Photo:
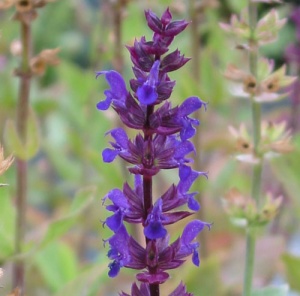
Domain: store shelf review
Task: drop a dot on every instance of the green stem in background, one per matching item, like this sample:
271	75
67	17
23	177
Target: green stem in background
195	55
257	169
118	46
21	120
249	264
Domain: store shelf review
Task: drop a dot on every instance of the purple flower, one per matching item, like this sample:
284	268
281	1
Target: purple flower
189	106
173	61
167	153
117	91
121	145
154	228
180	291
125	252
119	251
144	290
127	205
147	93
120	207
167	120
165	26
187	246
185	185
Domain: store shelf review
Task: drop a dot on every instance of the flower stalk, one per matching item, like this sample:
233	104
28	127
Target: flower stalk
21	122
257	168
25	13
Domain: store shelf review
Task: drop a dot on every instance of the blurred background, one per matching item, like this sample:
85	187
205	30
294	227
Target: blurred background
64	250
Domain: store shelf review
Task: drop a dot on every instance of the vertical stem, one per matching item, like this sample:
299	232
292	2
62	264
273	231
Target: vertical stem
249	264
195	40
21	192
257	169
118	56
154	290
195	50
147	187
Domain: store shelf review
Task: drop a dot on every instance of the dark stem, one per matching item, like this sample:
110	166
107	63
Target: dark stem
154	290
147	186
21	191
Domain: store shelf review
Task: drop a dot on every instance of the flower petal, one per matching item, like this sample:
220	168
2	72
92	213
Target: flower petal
192	229
109	155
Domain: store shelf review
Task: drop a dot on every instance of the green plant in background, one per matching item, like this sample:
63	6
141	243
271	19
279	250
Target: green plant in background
23	136
260	83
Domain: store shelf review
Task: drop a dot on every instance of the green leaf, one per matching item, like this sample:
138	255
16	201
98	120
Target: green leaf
80	84
58	265
57	228
23	149
207	277
83	198
272	291
237	5
292	265
286	170
7	225
95	275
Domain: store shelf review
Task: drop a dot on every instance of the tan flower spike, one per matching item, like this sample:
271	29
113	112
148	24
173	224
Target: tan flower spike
264	88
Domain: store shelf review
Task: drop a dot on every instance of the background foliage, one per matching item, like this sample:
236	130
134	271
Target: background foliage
64	249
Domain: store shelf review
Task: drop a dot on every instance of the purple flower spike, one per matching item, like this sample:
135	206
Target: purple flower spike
160	142
147	93
117	91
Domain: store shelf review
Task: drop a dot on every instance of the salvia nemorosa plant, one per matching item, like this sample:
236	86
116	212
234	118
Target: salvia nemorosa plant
162	141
